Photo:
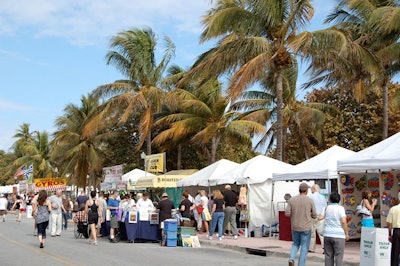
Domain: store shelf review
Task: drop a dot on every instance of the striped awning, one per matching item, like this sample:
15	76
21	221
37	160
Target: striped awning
51	188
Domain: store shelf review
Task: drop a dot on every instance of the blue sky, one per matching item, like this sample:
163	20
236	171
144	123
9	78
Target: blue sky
52	52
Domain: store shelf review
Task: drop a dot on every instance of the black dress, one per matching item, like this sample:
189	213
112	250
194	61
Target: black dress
93	214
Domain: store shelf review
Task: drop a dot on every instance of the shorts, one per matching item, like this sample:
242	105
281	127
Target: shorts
2	212
93	219
114	221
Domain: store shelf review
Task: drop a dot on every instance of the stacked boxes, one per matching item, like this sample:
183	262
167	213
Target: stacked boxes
171	232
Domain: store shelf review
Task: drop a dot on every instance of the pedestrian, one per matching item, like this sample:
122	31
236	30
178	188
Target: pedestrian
393	223
102	228
82	198
196	214
113	205
336	231
80	218
18	204
3	207
231	201
165	206
41	209
367	219
185	206
205	215
65	211
218	214
301	210
56	213
320	205
94	214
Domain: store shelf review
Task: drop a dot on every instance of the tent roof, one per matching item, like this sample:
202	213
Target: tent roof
256	170
382	156
203	177
135	174
321	166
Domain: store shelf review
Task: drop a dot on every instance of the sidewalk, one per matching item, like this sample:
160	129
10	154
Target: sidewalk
271	246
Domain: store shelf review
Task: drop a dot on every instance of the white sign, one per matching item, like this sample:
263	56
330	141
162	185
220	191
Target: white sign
374	247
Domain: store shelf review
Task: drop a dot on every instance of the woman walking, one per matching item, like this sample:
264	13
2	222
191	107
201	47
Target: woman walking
336	231
41	212
217	213
18	204
94	213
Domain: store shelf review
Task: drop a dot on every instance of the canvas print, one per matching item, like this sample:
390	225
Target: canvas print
195	241
132	217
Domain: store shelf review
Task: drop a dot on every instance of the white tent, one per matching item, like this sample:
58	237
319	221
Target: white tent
256	170
204	176
321	166
257	174
382	156
133	175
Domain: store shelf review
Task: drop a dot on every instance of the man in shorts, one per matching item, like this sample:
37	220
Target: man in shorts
3	206
113	205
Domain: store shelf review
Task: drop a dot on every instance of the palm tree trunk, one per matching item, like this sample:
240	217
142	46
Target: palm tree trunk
214	146
279	116
179	159
148	142
385	111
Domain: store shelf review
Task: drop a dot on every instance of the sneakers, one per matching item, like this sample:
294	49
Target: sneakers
235	237
291	262
113	240
209	237
220	238
41	245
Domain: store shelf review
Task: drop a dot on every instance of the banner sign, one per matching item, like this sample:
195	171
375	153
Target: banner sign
50	184
155	163
112	174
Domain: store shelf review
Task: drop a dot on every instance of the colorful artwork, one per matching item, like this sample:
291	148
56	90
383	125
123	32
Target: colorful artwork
388	200
347	180
375	193
352	233
350	212
362	183
348	190
349	200
352	225
388	179
373	182
348	219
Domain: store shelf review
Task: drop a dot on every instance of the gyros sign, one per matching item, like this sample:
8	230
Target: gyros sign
48	182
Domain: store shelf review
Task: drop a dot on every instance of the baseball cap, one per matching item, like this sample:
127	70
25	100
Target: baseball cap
164	195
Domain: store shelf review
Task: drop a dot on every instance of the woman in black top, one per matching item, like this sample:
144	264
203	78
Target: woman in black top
185	206
93	211
217	213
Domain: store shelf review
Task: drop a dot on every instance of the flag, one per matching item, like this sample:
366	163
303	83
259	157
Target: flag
21	171
29	171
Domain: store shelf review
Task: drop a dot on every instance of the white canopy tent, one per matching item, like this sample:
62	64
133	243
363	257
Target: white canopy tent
257	174
321	166
380	157
134	175
204	176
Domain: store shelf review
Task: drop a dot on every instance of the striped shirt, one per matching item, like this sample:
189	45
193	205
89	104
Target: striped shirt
333	225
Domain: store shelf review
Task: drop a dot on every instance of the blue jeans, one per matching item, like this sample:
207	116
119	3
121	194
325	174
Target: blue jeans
217	217
300	240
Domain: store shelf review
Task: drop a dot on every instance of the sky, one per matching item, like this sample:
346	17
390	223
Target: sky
53	52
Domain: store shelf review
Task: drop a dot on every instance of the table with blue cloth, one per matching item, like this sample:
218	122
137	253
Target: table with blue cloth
142	230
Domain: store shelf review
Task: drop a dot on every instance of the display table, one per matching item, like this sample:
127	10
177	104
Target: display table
142	230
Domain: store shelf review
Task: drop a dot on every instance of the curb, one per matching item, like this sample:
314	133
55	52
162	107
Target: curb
266	252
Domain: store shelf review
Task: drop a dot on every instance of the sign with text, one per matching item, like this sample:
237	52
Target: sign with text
155	163
112	174
50	183
374	247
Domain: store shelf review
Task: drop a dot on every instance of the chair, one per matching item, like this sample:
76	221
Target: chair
81	230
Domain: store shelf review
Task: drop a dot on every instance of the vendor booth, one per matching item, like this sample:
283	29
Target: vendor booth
132	176
376	168
320	167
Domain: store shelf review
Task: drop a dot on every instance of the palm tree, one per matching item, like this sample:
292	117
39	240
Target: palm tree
77	154
133	53
354	52
201	115
254	41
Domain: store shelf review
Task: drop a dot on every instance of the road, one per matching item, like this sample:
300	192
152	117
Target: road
18	246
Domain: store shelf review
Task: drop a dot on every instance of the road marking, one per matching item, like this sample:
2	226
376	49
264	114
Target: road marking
61	259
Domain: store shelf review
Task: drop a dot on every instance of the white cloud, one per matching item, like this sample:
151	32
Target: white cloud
85	22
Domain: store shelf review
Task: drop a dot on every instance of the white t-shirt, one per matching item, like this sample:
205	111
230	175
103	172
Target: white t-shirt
333	225
145	204
204	199
3	204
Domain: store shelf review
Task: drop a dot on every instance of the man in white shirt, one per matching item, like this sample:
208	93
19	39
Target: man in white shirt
320	205
145	203
56	213
3	206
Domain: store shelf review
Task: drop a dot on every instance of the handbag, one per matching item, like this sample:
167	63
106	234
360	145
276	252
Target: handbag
207	215
362	210
199	209
321	227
